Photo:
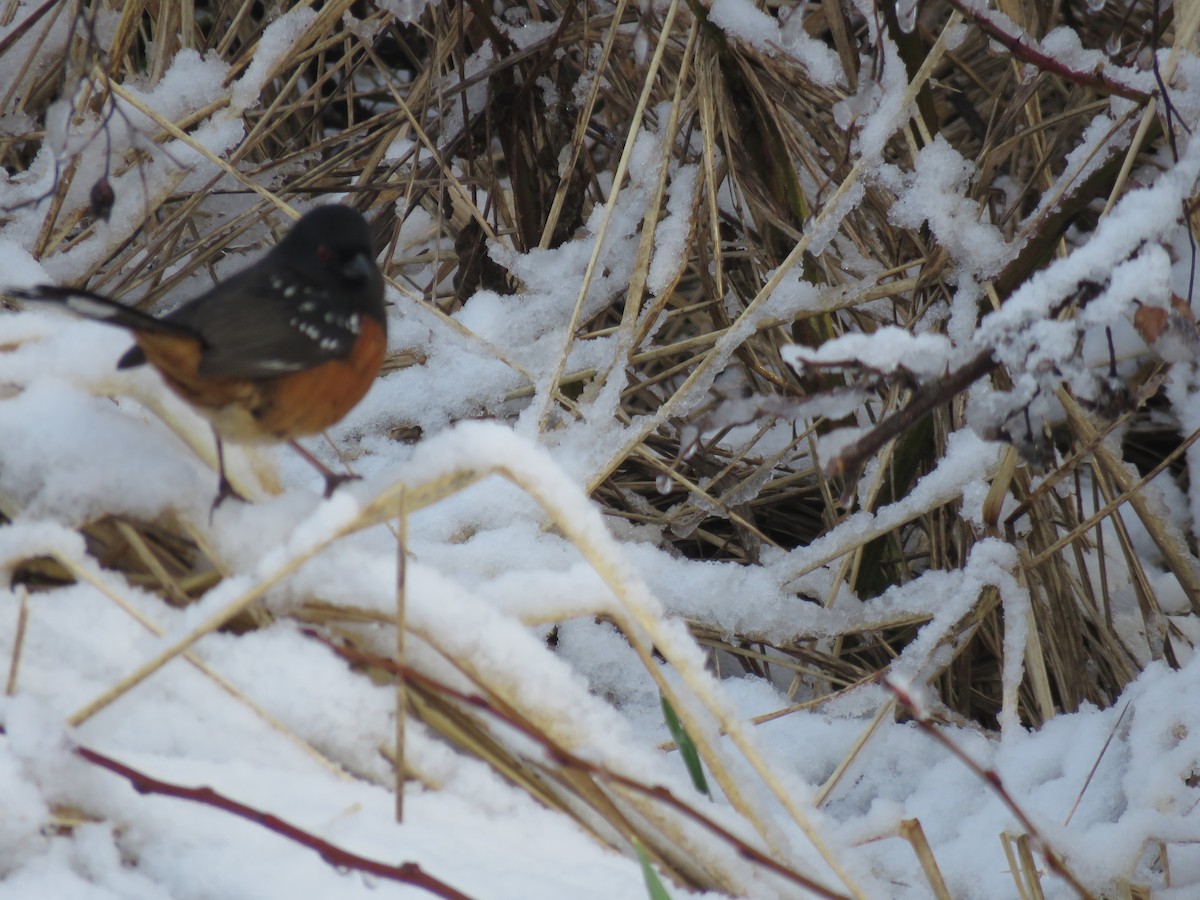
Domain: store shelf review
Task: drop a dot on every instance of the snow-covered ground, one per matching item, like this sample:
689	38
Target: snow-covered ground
274	719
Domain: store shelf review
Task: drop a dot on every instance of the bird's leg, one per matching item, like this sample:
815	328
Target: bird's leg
225	488
332	479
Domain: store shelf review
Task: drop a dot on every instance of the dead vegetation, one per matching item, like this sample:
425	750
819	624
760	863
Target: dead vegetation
489	155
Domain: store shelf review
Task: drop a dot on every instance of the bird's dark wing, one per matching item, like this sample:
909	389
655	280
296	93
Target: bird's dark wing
261	323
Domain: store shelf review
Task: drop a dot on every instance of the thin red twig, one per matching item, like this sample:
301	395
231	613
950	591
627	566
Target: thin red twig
407	873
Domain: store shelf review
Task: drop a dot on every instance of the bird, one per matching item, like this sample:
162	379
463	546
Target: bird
281	349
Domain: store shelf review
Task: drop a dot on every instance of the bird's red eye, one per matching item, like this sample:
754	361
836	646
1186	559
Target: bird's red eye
324	253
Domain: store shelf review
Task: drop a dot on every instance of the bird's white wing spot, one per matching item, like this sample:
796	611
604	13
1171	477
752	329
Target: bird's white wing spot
348	323
279	365
85	306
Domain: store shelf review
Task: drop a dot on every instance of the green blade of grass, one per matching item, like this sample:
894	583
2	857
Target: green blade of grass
687	749
654	885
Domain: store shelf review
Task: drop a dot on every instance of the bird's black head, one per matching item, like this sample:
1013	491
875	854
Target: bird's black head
332	242
329	252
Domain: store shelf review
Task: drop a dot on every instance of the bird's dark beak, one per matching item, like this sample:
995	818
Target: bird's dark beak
358	267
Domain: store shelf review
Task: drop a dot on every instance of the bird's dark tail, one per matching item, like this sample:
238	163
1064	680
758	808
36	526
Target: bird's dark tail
95	306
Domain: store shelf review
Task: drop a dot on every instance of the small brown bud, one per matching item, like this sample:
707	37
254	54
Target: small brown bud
102	198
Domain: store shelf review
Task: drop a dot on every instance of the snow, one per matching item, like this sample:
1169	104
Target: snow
743	20
673	229
887	350
278	721
936	194
277	40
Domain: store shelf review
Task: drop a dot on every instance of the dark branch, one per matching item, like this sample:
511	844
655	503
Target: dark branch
408	873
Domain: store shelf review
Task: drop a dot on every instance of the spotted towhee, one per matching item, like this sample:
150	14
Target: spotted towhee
282	349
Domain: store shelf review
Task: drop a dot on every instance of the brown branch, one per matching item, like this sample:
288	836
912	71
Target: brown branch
567	759
992	780
25	25
1028	50
408	873
925	400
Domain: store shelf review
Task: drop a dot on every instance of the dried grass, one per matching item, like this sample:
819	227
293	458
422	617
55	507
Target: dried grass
766	135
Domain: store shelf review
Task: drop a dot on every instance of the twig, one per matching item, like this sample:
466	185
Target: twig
1096	765
568	759
406	873
1024	48
401	655
991	779
14	664
924	401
